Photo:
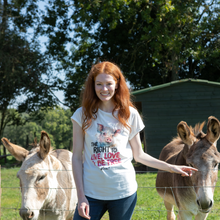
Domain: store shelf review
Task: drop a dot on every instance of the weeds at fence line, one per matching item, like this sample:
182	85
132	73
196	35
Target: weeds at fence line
149	205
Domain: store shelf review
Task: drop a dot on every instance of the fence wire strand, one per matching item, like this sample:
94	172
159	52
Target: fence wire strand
160	209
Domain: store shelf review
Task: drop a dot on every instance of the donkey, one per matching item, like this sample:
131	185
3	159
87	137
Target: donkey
46	181
193	195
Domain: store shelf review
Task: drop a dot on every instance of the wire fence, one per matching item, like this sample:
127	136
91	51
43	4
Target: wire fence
149	204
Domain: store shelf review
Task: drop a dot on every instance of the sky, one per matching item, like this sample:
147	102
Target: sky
43	40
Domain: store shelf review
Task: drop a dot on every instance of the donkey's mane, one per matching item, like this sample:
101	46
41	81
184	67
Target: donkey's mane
37	149
34	150
197	131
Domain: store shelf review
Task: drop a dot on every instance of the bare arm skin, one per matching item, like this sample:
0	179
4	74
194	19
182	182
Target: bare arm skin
150	161
83	205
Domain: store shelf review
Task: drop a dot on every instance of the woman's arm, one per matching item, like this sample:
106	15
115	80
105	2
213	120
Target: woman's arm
150	161
83	205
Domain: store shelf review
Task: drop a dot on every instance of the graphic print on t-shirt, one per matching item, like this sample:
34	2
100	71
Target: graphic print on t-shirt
105	152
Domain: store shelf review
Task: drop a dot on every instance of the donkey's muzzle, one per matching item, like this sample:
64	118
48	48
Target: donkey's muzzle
206	206
26	214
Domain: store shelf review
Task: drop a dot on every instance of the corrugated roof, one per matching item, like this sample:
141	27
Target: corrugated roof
173	83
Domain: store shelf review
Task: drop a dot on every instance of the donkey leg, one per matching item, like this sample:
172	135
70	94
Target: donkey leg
170	211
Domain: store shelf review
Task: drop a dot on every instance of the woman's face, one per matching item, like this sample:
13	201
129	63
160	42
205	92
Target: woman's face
105	86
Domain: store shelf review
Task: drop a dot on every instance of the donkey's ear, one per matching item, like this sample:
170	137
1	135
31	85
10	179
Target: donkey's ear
185	133
45	146
18	152
213	129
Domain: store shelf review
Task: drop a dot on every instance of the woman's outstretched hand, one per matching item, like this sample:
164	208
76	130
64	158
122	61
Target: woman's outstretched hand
183	170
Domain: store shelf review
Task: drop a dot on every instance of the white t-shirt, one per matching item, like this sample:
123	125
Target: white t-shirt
108	173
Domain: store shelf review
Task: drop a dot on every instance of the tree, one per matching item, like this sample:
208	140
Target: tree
153	42
57	122
24	135
24	70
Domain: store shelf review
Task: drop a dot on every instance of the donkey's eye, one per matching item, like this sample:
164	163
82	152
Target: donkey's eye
215	165
41	178
190	165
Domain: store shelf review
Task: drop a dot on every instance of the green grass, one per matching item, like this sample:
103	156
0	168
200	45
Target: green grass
10	196
149	205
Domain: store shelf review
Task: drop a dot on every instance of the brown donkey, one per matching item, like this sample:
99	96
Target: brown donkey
192	195
46	181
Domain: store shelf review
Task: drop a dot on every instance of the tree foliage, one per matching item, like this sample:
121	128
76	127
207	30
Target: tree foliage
56	123
25	71
153	41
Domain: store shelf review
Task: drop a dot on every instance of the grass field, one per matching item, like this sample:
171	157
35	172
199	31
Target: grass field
149	205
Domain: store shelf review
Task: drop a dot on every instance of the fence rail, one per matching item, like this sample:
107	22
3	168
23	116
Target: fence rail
3	156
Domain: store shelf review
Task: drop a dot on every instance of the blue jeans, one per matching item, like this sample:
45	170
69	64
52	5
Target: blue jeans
119	209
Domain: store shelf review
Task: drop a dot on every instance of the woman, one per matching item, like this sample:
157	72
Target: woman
105	140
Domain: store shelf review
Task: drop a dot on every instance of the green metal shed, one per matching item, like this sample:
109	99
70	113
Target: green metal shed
164	106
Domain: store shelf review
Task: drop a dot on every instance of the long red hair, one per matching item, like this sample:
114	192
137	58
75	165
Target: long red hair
121	98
